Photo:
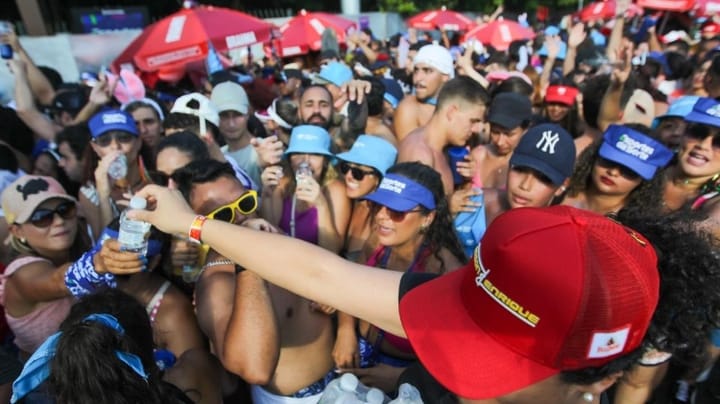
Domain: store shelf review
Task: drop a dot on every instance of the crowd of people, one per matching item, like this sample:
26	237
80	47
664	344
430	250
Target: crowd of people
532	225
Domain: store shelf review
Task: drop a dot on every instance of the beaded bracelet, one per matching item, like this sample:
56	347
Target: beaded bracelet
195	231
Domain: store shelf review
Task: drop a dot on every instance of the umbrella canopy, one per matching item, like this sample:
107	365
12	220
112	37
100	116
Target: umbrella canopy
499	33
667	5
185	36
442	19
303	33
707	8
602	10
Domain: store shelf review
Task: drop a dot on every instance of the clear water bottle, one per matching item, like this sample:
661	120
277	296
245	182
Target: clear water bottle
341	390
134	234
303	172
375	396
118	168
407	394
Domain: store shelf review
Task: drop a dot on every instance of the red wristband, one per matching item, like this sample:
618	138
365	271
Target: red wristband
196	228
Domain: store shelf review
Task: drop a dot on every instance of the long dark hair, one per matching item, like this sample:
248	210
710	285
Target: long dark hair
85	368
441	232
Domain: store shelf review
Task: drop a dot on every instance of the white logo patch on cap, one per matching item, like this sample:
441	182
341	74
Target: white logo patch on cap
714	111
606	344
392	185
547	142
634	148
108	119
307	136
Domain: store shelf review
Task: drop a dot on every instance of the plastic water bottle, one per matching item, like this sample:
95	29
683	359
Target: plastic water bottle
134	234
303	172
470	226
6	51
407	394
375	396
342	390
118	168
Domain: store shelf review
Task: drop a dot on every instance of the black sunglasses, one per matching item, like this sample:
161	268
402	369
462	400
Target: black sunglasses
701	132
624	171
357	173
159	178
121	137
43	217
394	215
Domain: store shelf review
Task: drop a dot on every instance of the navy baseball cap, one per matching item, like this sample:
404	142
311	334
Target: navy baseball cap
548	149
510	110
634	150
112	119
401	193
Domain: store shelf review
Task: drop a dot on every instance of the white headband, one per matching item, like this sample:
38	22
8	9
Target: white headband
149	102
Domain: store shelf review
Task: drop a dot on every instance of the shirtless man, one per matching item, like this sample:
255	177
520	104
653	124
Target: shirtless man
509	117
432	67
291	343
460	113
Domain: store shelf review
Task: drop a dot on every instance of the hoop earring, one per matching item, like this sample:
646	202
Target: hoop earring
588	397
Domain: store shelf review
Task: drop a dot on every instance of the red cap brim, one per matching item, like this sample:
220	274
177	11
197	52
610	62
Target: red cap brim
455	350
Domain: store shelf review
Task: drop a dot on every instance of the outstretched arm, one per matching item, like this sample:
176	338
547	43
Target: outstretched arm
317	274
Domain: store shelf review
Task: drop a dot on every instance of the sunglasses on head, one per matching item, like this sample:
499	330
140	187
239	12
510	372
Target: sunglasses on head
624	171
394	215
357	173
106	139
44	217
245	204
701	132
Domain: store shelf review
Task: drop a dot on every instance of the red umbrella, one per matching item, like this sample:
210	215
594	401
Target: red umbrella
499	33
440	19
602	10
303	32
667	5
183	37
707	8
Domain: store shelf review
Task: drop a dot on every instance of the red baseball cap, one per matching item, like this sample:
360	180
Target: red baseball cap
548	290
561	95
710	29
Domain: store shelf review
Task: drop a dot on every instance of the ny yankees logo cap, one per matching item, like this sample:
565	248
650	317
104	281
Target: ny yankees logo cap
548	149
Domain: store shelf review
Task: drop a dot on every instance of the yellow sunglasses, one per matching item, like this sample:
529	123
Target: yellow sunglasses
245	204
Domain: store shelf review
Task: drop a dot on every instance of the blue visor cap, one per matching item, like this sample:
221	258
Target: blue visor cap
309	139
634	150
402	194
706	111
111	119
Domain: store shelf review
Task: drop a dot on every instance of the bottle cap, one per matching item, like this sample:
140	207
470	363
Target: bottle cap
137	202
348	382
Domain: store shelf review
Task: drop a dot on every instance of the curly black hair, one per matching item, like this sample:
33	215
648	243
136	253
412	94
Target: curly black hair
441	233
689	266
645	197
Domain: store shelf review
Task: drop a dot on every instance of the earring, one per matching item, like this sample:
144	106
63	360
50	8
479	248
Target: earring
588	397
23	240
